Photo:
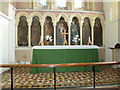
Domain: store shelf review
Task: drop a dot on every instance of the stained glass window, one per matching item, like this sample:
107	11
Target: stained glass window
42	3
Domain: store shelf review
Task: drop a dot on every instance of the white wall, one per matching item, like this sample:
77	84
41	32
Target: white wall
4	25
0	39
4	22
111	29
11	31
7	37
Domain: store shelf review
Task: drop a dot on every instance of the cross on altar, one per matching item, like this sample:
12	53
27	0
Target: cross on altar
64	35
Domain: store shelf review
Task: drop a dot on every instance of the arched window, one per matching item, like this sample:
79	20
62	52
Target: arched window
61	4
78	3
42	3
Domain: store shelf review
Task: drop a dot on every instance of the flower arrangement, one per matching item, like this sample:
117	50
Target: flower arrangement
48	38
76	39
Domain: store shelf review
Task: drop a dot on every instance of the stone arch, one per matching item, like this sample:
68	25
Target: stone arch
101	17
75	15
89	16
50	15
62	15
18	15
35	14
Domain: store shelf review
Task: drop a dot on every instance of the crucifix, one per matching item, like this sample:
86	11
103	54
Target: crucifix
64	36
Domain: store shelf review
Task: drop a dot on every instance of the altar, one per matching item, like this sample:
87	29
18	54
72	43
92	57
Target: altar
62	55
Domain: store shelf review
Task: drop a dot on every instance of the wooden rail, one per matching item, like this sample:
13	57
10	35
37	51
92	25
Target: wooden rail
54	66
60	65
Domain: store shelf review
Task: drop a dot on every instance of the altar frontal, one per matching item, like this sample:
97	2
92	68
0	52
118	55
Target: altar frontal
64	55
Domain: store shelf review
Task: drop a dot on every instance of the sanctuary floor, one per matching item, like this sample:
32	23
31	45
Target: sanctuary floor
23	78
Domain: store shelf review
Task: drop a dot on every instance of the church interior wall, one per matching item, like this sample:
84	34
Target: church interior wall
23	55
111	27
12	33
4	7
7	33
4	39
98	6
22	5
55	15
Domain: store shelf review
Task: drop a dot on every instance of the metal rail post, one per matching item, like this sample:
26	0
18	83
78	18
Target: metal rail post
11	78
94	76
54	78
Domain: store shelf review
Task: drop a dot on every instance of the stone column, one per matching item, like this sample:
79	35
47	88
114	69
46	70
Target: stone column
70	4
81	24
42	33
87	6
51	4
69	33
30	4
92	31
29	34
54	24
16	41
103	33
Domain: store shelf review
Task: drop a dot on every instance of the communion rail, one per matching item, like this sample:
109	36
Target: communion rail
54	66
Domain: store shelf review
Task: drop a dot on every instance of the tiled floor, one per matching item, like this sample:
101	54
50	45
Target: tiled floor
64	89
23	78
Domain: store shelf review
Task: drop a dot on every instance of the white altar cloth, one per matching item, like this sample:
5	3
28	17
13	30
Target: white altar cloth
67	47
